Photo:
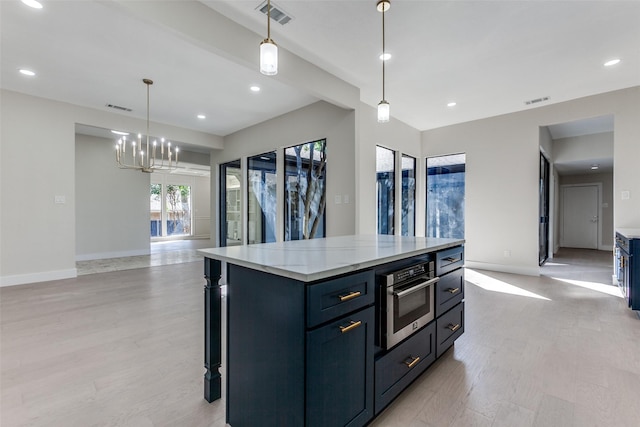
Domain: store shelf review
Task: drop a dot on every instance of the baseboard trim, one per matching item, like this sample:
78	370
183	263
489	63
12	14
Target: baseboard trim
606	248
45	276
514	269
107	255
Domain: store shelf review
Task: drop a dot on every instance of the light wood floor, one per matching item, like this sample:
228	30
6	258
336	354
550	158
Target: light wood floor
125	349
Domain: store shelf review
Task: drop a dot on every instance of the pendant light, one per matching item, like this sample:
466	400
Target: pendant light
268	50
383	106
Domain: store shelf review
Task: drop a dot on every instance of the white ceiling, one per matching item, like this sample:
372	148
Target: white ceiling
488	56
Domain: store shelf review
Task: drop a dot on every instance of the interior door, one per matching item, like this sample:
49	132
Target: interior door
543	206
580	216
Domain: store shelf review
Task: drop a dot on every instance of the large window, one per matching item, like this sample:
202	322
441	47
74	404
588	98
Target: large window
385	180
173	217
305	191
178	198
261	224
445	196
231	204
408	196
156	210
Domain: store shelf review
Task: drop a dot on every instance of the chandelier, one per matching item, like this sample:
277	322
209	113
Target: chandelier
268	50
383	106
146	161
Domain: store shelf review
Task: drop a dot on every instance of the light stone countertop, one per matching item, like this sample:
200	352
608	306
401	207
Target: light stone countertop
315	259
629	233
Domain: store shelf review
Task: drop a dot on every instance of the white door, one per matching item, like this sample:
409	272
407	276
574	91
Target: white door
580	217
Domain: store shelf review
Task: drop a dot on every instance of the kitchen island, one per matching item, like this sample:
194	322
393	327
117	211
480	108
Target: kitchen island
304	326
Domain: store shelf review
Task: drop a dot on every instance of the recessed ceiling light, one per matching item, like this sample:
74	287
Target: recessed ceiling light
27	72
385	56
595	167
612	62
451	104
202	116
255	88
119	132
32	3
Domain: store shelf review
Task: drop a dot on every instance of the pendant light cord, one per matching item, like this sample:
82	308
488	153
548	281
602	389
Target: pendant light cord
269	20
383	52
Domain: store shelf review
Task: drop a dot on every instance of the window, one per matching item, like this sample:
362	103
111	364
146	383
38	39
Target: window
173	217
305	191
408	196
156	210
445	196
385	188
230	204
178	198
261	186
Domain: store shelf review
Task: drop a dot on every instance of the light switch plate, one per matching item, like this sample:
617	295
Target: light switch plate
60	200
338	199
625	195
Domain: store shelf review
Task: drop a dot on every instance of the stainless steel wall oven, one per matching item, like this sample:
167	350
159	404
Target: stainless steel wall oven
407	302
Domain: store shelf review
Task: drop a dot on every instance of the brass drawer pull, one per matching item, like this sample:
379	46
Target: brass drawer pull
350	295
413	362
351	326
453	290
454	327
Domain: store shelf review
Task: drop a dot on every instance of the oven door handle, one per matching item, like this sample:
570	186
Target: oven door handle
415	288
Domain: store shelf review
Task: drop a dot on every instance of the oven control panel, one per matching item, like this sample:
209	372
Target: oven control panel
410	272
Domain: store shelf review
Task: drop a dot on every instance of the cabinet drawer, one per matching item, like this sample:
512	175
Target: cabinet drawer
449	291
334	298
449	260
449	327
398	368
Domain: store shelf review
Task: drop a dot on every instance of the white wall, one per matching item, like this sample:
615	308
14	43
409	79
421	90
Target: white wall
37	145
584	147
502	174
112	204
317	121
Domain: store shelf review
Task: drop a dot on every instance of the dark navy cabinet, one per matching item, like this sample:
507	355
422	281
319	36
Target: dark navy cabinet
299	354
628	266
340	371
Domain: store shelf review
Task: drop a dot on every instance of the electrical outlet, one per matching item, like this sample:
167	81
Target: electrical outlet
338	199
507	253
59	200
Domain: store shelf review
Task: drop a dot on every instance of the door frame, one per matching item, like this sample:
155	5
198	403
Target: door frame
561	222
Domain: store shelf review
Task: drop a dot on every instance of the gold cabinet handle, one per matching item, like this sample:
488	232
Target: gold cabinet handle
352	325
454	327
350	295
453	290
413	362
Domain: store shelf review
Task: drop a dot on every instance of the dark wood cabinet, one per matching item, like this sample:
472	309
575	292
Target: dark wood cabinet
299	361
396	369
628	267
340	371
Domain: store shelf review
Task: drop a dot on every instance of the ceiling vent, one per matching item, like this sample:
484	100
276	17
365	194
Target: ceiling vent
536	101
118	107
277	14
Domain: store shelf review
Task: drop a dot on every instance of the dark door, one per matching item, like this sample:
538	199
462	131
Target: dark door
340	371
543	229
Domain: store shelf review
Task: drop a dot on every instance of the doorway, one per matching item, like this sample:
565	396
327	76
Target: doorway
581	216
